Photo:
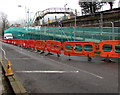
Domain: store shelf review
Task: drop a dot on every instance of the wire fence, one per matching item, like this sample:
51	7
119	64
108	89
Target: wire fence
83	33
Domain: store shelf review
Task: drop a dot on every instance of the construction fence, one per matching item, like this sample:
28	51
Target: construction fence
63	34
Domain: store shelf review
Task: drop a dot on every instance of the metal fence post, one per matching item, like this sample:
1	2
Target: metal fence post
113	31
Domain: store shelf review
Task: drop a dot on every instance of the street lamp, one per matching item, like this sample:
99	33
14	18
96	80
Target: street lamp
30	20
25	14
65	10
75	25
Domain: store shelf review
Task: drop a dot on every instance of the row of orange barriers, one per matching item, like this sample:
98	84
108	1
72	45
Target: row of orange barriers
71	48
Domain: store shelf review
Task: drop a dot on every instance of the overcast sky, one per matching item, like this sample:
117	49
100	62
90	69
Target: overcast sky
10	7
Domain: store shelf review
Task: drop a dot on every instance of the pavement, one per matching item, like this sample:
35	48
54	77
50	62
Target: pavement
1	85
51	74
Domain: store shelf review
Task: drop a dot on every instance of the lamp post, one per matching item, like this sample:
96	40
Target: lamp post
25	14
65	10
30	18
75	25
28	21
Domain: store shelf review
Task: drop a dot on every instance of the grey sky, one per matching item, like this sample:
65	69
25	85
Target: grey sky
10	7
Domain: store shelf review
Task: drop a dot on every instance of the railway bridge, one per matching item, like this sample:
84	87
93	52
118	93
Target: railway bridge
40	14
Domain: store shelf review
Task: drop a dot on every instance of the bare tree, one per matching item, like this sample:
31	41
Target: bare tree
90	7
93	6
4	22
111	4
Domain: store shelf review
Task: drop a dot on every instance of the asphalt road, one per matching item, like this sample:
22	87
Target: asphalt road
51	74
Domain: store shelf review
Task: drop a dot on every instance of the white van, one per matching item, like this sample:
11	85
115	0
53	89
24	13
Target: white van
8	36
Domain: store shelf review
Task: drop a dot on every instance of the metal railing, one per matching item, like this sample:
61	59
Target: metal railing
41	14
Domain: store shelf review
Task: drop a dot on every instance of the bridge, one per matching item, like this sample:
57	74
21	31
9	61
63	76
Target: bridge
40	14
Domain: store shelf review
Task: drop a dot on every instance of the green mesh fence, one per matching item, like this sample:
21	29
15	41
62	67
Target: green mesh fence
65	33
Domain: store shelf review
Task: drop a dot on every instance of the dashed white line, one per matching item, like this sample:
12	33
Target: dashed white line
80	70
47	71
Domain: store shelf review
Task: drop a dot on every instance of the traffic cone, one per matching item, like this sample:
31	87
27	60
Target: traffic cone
9	70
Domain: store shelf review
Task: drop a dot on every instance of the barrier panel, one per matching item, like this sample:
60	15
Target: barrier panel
9	41
40	45
25	44
5	40
110	48
20	42
31	44
15	41
79	48
97	48
54	46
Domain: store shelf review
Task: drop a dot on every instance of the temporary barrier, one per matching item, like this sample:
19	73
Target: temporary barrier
25	44
20	42
97	48
15	42
110	48
54	46
79	48
5	40
9	41
40	45
31	44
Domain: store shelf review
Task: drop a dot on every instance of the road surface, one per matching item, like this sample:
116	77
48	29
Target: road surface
51	74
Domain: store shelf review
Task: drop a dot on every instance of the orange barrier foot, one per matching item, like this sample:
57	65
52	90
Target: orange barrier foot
58	55
89	58
38	50
69	57
42	52
48	54
107	59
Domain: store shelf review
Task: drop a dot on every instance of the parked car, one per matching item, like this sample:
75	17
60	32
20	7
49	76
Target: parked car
8	36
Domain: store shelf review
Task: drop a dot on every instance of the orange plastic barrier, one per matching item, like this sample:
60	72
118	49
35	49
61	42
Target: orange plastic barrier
54	46
97	48
9	41
5	40
20	42
15	42
31	44
111	44
25	43
79	48
40	45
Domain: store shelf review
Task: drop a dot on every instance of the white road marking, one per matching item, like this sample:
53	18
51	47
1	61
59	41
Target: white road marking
91	74
4	54
47	71
3	51
20	58
80	70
